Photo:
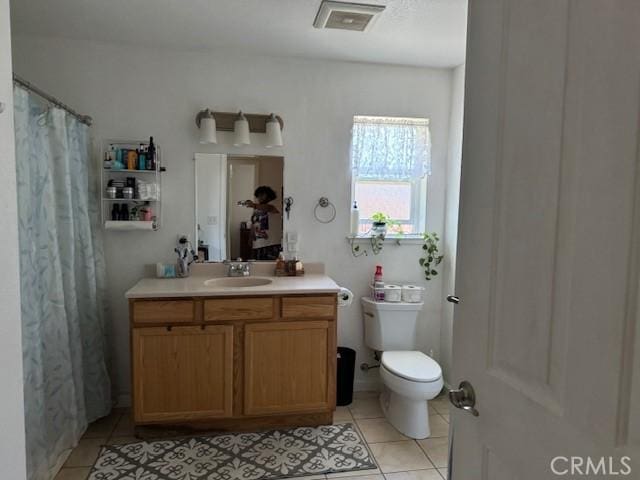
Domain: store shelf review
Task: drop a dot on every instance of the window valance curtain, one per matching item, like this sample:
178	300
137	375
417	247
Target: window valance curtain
390	148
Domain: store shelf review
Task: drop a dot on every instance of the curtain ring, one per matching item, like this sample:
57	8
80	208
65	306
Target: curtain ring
324	203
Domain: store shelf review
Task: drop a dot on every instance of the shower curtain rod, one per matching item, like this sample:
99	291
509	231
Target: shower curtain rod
86	119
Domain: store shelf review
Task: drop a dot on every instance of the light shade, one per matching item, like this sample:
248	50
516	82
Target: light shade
241	131
208	131
274	132
207	124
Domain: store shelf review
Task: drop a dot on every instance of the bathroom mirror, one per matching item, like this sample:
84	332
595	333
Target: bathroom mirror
238	206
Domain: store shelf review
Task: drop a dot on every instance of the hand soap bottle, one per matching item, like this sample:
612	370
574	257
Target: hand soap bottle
355	219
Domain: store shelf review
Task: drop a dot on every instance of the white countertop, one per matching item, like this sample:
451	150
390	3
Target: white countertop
314	281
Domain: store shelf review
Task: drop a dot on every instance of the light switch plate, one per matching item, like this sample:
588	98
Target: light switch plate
293	237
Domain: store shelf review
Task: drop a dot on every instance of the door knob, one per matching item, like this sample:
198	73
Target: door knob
453	299
464	398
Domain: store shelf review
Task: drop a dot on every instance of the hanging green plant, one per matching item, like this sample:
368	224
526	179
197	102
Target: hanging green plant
377	242
430	255
381	223
356	251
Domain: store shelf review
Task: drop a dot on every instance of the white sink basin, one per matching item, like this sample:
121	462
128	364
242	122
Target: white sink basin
238	282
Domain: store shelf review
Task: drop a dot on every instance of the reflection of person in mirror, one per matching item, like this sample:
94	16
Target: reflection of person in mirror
265	247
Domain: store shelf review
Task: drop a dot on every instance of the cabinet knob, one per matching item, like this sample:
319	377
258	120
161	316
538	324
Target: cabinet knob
169	328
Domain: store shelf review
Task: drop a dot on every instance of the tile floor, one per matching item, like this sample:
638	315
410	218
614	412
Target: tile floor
399	457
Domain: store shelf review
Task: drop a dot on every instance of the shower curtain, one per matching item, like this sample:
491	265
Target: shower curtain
62	282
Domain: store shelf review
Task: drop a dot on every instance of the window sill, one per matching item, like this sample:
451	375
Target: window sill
389	239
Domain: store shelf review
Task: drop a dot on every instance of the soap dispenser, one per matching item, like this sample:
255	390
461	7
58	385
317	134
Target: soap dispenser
355	219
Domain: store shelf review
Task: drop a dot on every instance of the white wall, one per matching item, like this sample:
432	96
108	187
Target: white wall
12	443
452	197
134	93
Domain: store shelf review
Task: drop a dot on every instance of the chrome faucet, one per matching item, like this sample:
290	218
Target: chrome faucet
238	268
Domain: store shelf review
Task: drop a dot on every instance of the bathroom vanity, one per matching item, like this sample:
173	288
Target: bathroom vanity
206	355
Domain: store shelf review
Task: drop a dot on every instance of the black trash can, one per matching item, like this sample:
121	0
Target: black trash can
346	369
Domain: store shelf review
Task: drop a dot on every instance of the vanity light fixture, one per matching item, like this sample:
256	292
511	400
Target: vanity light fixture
241	125
241	131
206	122
274	132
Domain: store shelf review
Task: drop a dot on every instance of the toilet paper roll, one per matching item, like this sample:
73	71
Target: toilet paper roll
345	297
412	293
392	293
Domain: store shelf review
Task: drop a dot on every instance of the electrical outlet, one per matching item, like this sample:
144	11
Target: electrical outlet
293	237
212	220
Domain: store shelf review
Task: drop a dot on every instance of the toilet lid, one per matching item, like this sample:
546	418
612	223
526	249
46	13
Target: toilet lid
414	366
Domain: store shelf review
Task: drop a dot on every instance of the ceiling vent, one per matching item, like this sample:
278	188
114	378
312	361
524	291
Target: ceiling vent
346	16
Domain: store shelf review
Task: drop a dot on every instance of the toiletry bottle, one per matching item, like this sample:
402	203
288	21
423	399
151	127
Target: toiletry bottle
107	161
280	265
115	212
124	212
355	219
377	277
132	159
119	164
142	157
378	285
151	155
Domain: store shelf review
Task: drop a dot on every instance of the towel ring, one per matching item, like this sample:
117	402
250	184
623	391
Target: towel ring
324	203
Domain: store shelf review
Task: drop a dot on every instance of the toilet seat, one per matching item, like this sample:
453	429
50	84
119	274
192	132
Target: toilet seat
412	365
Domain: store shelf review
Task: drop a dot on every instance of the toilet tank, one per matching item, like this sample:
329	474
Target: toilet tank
390	326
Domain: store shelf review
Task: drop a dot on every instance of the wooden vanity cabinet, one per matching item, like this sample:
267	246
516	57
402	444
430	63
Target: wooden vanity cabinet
234	363
183	372
287	368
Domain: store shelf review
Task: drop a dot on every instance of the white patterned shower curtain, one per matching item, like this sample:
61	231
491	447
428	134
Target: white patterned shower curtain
62	273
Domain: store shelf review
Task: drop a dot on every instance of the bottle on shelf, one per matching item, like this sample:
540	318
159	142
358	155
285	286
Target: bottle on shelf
132	160
142	157
151	155
378	285
124	212
377	277
107	161
115	212
119	161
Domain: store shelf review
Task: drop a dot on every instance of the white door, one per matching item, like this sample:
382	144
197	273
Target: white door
547	328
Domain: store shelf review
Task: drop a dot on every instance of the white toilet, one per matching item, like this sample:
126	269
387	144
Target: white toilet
410	377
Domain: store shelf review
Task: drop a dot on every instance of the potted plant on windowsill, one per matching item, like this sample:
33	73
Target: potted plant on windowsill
382	223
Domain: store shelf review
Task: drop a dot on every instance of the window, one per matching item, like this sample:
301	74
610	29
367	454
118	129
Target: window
391	158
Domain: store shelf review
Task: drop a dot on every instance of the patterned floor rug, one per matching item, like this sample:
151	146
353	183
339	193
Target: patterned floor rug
238	456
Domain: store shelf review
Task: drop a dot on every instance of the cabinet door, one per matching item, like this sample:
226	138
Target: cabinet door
289	367
182	373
